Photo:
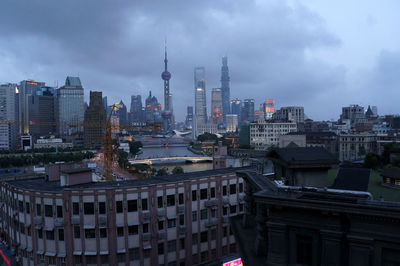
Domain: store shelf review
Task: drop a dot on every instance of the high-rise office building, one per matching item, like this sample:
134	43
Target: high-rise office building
95	119
290	113
70	107
8	112
153	109
247	113
122	114
236	106
231	122
167	114
189	117
106	107
41	112
200	95
26	88
136	110
268	108
225	87
216	106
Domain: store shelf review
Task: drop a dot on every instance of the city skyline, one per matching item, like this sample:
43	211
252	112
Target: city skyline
296	53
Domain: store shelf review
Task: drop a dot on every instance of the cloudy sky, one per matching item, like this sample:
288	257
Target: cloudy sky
319	54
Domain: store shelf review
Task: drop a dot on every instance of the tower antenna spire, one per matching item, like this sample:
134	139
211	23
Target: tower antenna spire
165	59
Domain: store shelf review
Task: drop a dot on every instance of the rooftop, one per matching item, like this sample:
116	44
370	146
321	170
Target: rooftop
73	82
39	184
303	154
76	170
352	179
393	172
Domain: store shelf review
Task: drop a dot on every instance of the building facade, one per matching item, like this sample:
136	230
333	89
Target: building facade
354	113
189	117
179	220
236	107
200	103
265	134
290	113
354	147
9	113
247	112
70	107
231	123
95	120
136	110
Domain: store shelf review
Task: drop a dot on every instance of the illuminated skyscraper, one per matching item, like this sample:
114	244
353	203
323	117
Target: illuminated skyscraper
236	106
247	113
200	95
268	109
189	117
225	86
216	106
26	88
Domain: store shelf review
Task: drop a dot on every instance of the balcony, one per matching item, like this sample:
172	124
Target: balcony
75	220
146	216
211	222
161	235
38	220
211	203
161	212
181	209
182	230
102	220
225	201
58	222
146	237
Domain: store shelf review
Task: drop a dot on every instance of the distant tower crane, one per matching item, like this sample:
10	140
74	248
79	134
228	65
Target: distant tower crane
108	145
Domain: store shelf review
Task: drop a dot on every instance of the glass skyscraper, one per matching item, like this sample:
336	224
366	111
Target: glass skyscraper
200	95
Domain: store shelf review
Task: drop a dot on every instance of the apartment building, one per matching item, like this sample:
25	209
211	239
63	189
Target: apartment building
265	134
171	220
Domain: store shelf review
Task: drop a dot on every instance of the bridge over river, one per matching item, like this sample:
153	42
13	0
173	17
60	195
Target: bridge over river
171	160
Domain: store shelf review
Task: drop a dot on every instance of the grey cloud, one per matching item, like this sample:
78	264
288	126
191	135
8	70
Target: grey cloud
117	47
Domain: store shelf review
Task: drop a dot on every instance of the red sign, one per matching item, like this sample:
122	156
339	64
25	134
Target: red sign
235	262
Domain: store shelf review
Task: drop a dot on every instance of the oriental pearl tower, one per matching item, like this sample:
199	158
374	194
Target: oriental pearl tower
167	114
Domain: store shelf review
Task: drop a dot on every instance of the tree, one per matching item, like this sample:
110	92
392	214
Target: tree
162	171
207	136
177	170
372	161
134	147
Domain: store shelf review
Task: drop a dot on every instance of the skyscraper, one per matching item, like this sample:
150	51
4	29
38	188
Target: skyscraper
268	108
41	112
189	117
247	113
216	106
167	114
122	114
26	88
200	95
225	87
236	106
153	109
8	112
95	119
70	109
231	122
136	110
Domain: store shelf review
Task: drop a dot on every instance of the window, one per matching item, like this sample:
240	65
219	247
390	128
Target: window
181	219
171	223
29	231
160	202
171	200
75	208
119	208
88	208
180	198
213	213
48	210
50	235
120	231
232	189
212	192
38	209
134	254
232	248
40	233
241	207
132	205
27	208
60	234
194	195
133	229
240	187
90	233
77	232
204	255
120	258
203	214
214	254
225	231
194	216
195	239
160	225
144	204
225	211
182	243
102	208
213	234
304	250
146	253
21	206
145	228
59	211
203	237
160	248
203	194
195	259
232	209
172	246
224	191
103	232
